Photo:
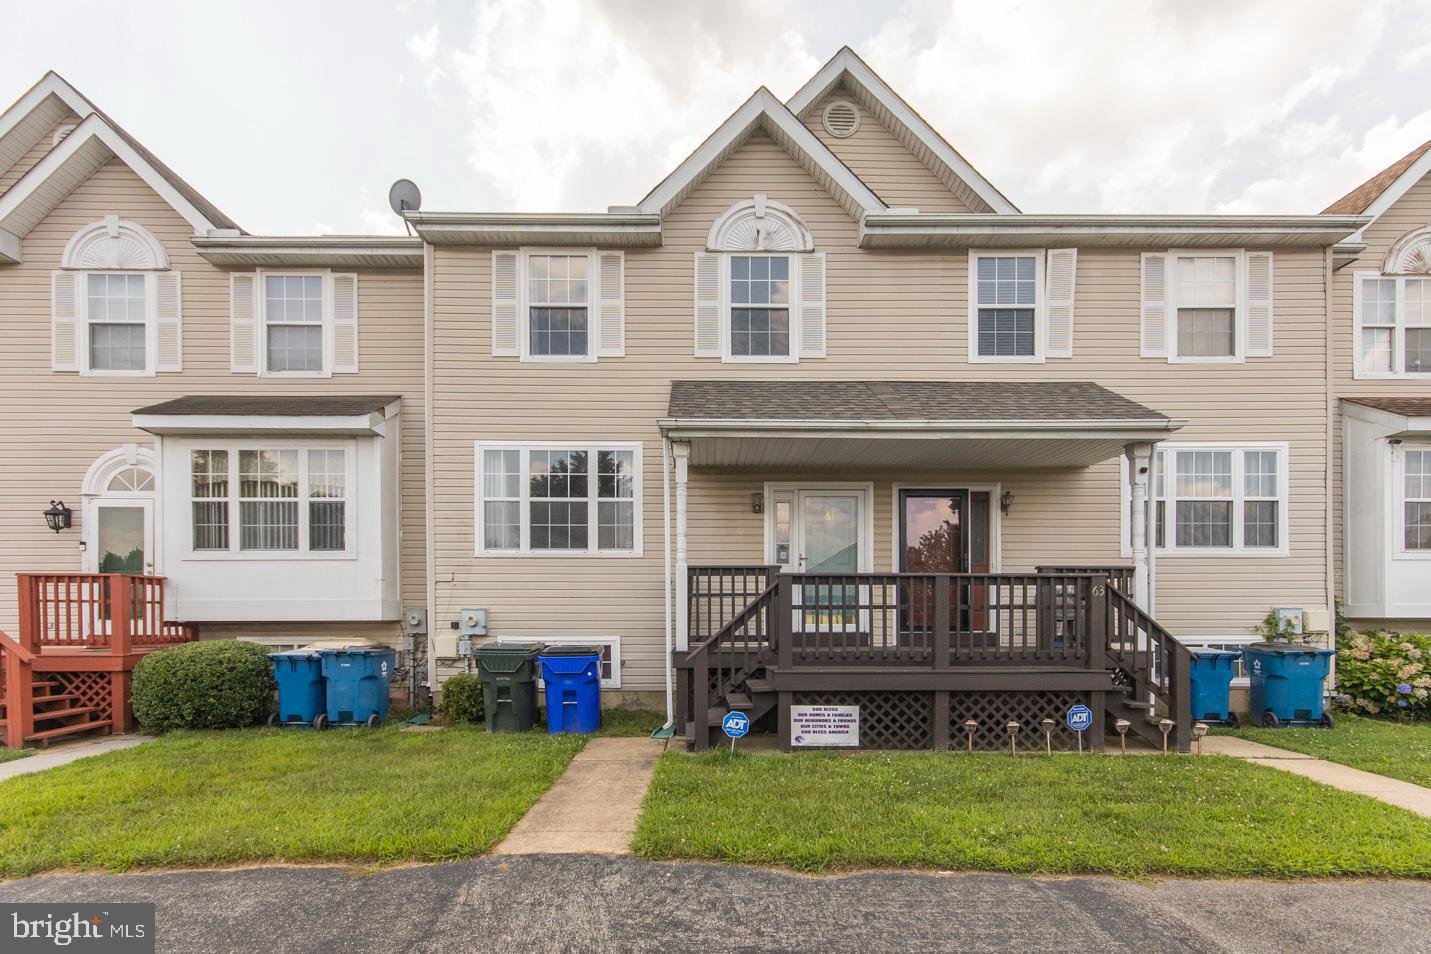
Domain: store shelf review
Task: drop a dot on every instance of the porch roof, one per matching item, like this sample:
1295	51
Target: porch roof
893	424
254	414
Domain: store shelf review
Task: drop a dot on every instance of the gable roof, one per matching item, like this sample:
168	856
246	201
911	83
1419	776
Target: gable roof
1381	191
764	111
95	141
906	124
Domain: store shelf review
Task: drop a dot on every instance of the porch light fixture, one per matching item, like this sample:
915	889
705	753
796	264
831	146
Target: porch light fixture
57	518
757	502
1006	501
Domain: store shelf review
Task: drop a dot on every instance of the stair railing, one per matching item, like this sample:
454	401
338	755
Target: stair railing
721	662
1154	659
19	689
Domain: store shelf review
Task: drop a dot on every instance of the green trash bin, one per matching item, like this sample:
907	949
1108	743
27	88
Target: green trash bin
508	672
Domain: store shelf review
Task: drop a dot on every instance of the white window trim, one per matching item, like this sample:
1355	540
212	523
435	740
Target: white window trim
524	313
260	307
151	323
613	643
1397	523
1398	329
786	489
1239	309
996	515
1238	549
1040	307
794	309
350	498
524	449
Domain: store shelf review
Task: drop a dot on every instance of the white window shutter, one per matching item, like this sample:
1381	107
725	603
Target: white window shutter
708	343
64	321
812	305
345	323
1155	305
1060	278
168	323
505	288
243	326
1259	304
611	305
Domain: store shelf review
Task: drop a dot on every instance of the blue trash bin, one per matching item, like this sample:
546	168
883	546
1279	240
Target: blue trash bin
302	695
1211	675
358	685
573	688
1287	684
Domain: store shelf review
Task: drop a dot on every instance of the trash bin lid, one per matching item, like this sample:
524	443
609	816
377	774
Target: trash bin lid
509	649
1214	653
294	654
570	649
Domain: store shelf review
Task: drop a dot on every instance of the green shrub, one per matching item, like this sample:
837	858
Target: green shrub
219	684
1384	674
462	699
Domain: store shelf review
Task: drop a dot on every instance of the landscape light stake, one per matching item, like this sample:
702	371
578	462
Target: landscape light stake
1167	726
1013	737
1048	734
969	726
1199	730
1122	726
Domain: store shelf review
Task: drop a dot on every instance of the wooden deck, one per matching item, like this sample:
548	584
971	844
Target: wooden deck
68	670
923	646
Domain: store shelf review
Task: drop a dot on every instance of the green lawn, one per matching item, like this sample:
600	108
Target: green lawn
7	755
1131	816
1386	748
628	722
219	798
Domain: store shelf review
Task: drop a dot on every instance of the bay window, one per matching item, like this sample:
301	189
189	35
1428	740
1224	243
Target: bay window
1392	316
270	499
558	498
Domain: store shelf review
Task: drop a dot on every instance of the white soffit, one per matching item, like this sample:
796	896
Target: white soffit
907	125
260	251
34	114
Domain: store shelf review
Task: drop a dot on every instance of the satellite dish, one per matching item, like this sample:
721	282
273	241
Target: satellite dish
404	196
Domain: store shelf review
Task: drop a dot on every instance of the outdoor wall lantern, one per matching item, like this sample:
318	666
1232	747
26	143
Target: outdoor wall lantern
57	518
757	502
1006	501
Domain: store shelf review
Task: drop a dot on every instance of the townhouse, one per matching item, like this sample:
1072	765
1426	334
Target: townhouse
823	419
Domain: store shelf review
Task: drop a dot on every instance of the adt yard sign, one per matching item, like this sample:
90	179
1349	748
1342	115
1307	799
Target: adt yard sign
1079	718
735	724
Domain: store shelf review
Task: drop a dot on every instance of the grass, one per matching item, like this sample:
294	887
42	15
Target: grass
1392	749
222	798
630	722
8	755
1132	816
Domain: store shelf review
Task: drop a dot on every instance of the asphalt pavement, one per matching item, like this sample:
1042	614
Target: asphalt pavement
596	903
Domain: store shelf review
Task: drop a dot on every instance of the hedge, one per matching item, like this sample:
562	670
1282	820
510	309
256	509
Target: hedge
218	684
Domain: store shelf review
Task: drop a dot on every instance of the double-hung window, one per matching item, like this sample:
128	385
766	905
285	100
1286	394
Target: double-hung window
558	306
270	499
760	306
558	498
1393	325
1416	500
293	323
1220	499
1206	315
1006	322
1207	306
118	316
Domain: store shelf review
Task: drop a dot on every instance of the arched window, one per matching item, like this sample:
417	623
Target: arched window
113	243
759	224
1411	255
125	470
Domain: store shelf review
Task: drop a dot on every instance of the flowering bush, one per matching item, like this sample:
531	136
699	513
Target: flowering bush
1386	674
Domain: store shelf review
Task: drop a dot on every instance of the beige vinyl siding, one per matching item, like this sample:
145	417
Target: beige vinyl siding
884	164
60	422
1412	211
8	177
892	314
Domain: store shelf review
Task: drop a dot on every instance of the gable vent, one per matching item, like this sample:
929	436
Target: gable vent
841	119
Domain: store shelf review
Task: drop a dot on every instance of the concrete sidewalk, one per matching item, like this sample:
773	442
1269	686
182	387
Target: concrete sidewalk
1392	790
592	808
49	758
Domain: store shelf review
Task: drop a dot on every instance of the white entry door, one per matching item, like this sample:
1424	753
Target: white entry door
119	536
827	531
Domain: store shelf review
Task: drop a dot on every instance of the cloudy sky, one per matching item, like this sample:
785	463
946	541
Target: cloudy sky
295	116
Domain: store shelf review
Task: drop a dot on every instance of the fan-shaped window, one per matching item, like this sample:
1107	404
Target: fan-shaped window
759	224
1392	311
113	243
132	480
1411	255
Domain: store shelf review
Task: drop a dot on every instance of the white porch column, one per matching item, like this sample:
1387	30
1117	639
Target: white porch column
681	452
1141	458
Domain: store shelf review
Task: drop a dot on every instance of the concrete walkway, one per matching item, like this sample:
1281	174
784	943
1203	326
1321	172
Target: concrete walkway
1402	794
592	808
49	758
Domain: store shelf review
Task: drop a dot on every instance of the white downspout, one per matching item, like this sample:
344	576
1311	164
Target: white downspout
669	593
428	478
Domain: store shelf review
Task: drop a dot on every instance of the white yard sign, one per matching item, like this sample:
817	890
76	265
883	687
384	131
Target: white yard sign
825	726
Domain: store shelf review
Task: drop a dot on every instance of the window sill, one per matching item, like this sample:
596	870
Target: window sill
558	358
267	556
1006	359
558	554
1391	375
89	373
1234	359
295	374
759	359
1273	552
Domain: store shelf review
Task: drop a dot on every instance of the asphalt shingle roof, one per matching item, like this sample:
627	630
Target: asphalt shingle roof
1406	406
1360	199
272	405
903	401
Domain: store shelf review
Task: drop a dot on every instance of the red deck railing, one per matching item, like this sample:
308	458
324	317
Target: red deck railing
115	611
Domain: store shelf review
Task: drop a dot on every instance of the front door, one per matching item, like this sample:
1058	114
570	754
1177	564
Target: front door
947	531
121	538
